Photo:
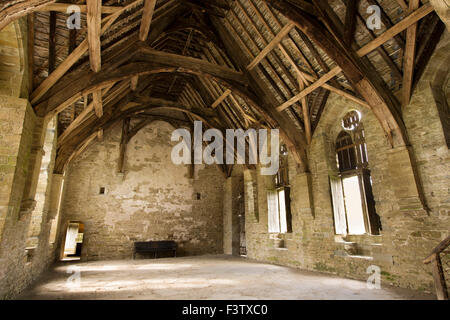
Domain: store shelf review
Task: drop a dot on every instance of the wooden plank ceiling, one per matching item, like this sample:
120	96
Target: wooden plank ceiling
279	61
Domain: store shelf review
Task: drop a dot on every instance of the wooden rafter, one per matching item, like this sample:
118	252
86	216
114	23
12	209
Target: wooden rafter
403	4
147	15
409	59
51	42
319	83
274	58
98	104
221	99
385	19
82	147
381	100
205	7
62	7
350	21
94	22
100	134
381	50
239	54
305	77
59	72
19	9
427	45
88	112
387	35
278	82
272	45
411	19
306	117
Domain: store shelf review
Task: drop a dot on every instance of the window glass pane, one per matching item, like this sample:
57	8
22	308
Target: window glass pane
353	205
338	205
272	206
282	210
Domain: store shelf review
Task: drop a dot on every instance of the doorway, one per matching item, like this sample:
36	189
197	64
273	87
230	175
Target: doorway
73	241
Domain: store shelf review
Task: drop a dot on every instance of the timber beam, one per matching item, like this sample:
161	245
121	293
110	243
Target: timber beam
382	102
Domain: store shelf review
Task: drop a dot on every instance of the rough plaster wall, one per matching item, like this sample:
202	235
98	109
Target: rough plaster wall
408	236
154	200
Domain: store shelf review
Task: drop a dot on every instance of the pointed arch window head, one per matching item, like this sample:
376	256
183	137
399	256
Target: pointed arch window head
351	120
351	149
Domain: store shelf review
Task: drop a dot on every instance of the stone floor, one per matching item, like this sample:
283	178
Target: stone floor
206	277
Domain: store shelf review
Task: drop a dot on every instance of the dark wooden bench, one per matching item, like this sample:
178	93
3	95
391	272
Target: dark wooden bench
155	247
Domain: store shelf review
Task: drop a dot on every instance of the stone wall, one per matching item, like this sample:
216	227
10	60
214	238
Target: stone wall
442	8
409	231
233	189
153	200
13	59
21	139
25	246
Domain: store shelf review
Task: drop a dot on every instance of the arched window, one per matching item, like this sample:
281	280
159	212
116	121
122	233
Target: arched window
282	177
278	199
345	150
353	202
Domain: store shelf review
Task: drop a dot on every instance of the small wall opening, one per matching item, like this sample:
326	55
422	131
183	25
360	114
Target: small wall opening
73	241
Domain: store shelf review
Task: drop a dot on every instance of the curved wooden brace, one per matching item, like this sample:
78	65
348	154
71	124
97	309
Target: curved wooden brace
18	9
77	139
191	113
79	147
383	103
87	82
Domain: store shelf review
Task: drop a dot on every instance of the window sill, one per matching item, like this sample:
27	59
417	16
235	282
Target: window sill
367	239
358	246
360	257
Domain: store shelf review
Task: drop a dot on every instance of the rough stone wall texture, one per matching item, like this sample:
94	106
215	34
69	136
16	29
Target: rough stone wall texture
233	188
13	61
153	200
44	185
442	8
19	132
409	232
